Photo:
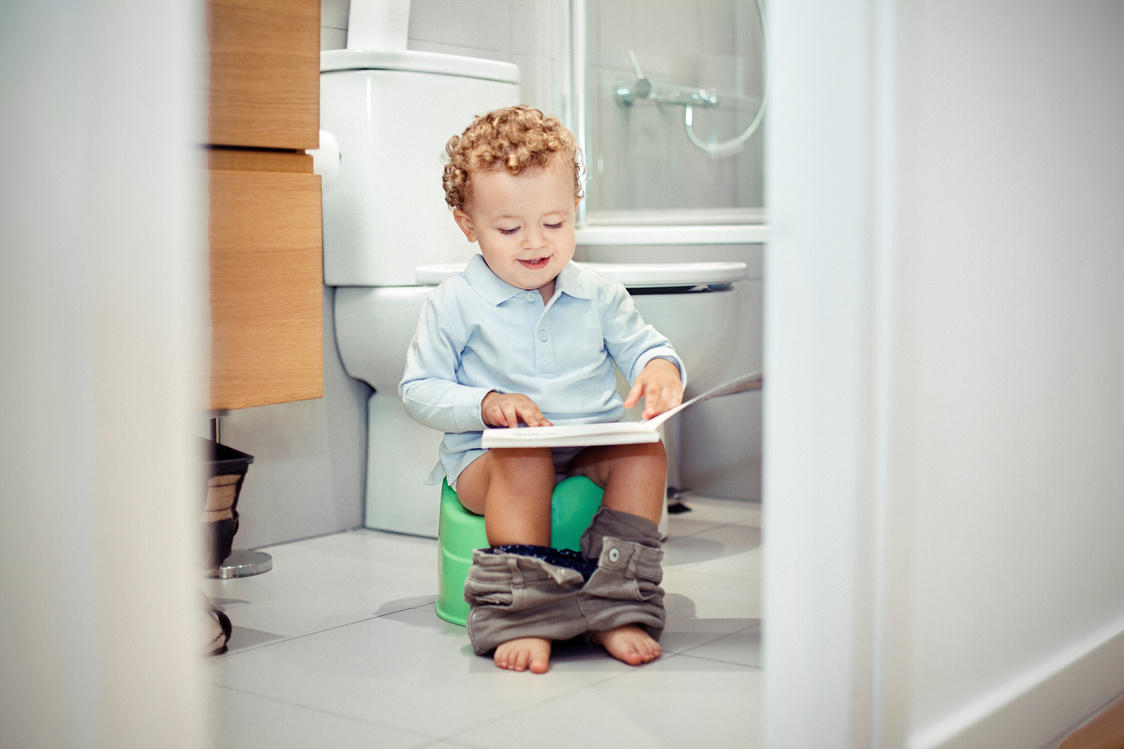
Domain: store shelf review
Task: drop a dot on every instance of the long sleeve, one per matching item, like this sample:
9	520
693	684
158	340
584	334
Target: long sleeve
430	390
632	343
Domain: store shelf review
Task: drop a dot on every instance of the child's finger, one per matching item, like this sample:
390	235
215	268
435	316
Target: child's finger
510	415
503	414
530	413
634	394
534	418
661	400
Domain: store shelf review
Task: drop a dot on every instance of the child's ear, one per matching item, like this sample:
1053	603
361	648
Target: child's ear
465	223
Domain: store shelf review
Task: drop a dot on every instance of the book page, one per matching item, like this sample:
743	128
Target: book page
572	435
610	433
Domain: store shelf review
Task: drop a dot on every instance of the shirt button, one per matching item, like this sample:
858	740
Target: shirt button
530	296
614	555
543	335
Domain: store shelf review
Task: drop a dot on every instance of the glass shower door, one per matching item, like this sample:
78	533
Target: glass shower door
642	68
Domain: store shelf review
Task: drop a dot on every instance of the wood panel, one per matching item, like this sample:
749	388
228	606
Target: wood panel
266	289
265	73
1104	731
237	159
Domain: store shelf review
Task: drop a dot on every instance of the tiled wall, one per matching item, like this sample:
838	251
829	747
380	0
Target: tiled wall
640	156
333	23
533	34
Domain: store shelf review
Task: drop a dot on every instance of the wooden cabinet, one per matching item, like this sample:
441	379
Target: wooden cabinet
265	73
265	222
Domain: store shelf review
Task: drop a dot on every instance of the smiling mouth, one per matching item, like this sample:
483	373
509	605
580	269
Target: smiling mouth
536	263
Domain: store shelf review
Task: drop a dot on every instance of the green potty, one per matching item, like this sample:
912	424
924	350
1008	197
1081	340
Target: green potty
459	533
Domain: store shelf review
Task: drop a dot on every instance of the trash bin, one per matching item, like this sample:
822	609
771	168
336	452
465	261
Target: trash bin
227	470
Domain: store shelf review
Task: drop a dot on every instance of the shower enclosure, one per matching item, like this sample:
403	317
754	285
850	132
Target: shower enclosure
643	70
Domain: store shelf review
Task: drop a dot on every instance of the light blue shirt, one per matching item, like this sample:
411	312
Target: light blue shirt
478	333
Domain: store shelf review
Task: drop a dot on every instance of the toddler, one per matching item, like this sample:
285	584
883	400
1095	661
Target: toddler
524	336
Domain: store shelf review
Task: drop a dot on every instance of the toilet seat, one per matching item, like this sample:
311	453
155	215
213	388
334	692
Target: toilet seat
668	276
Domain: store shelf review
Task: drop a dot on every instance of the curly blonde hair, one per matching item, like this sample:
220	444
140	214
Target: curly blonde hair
512	138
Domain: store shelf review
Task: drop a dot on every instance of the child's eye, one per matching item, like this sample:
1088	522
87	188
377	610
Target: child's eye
554	226
508	231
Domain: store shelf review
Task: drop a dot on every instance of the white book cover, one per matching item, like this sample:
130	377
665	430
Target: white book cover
609	433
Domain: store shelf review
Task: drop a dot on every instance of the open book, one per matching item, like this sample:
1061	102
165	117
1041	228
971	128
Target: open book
610	433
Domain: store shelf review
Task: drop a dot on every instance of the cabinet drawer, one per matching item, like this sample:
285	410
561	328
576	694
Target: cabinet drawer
265	73
266	288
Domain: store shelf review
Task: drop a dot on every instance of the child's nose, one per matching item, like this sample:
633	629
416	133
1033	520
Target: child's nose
533	238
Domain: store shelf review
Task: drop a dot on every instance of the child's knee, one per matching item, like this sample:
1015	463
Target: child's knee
524	465
657	452
649	456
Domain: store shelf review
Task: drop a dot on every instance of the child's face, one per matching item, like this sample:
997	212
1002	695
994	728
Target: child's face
523	223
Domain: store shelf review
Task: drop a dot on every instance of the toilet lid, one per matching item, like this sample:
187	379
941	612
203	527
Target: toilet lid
632	275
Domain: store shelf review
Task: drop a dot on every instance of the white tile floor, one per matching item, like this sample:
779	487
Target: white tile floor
339	646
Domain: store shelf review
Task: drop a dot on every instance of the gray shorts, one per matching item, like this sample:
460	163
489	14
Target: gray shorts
563	458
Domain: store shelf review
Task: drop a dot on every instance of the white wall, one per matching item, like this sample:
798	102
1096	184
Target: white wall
101	328
945	343
1011	317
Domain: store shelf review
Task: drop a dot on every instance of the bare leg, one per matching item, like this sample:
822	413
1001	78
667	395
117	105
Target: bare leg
633	477
512	489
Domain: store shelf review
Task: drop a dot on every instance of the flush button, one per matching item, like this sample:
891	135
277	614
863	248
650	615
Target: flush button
614	554
542	335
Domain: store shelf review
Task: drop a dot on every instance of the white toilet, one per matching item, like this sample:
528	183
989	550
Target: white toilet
388	237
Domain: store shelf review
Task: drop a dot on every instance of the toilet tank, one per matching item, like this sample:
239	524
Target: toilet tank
390	115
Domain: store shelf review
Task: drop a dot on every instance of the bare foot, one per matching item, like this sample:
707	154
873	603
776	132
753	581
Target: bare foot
523	653
629	643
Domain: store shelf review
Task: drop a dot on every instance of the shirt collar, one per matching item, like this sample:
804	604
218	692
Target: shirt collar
486	283
574	280
495	291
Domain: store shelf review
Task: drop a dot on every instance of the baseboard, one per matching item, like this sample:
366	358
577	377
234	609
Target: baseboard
1039	706
1105	730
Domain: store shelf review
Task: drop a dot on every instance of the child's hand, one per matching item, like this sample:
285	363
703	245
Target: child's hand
660	385
507	409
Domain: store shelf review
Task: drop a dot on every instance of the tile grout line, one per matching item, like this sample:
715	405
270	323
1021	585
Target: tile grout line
291	638
320	711
555	698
